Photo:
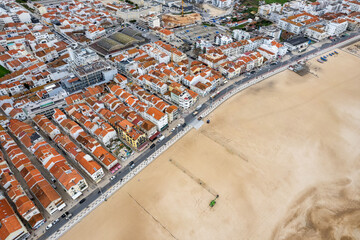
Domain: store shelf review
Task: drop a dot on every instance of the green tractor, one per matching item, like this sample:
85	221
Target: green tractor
213	202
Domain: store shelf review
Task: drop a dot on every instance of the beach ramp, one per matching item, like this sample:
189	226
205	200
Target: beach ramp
196	123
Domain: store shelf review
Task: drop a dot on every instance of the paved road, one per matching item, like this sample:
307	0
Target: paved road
94	195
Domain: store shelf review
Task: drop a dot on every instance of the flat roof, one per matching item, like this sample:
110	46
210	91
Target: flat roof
297	40
90	67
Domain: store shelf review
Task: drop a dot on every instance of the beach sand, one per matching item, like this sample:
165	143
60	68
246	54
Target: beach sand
283	156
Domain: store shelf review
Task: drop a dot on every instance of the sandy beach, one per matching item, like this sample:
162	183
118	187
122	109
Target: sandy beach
283	156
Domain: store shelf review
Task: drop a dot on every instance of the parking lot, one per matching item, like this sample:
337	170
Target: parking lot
193	33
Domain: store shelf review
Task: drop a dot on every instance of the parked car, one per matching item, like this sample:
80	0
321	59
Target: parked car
54	186
173	129
69	216
82	200
152	146
132	165
112	178
161	138
56	221
49	226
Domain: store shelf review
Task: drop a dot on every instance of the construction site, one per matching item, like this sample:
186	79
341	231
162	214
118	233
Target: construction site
172	21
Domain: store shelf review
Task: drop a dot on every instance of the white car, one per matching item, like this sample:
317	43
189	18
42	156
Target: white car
172	129
49	226
112	178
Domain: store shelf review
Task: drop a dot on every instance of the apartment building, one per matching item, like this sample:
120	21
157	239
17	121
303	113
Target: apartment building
297	23
157	117
89	74
336	27
316	33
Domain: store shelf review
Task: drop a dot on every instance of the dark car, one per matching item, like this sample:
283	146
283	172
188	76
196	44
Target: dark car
184	125
66	215
152	146
82	200
132	164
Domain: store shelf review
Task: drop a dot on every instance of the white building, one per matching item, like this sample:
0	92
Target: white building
159	118
5	18
316	33
23	17
267	9
82	55
154	21
221	39
336	27
201	43
354	5
182	99
240	35
222	3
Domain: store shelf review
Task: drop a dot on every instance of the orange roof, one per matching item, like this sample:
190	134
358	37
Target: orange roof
166	31
155	113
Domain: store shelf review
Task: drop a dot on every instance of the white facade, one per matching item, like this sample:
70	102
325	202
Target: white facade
290	27
336	27
316	34
222	3
24	17
160	119
240	35
221	39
